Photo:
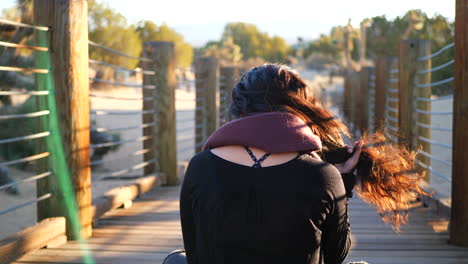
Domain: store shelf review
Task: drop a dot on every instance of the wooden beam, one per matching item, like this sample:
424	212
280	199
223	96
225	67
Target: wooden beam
423	92
164	136
68	20
43	234
355	115
118	196
459	212
363	97
382	74
410	51
346	96
206	119
228	78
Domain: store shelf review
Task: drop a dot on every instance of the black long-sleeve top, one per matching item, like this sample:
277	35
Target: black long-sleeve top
286	213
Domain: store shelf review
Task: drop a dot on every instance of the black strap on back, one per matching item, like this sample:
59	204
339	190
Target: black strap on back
256	162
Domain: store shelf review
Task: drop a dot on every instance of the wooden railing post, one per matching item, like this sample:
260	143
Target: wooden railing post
383	66
364	97
346	96
422	103
355	102
410	51
69	56
228	78
206	71
164	132
459	212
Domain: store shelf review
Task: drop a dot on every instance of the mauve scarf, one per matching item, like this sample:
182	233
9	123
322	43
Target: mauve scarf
273	132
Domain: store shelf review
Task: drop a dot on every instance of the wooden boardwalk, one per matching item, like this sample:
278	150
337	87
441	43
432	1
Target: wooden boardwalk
147	231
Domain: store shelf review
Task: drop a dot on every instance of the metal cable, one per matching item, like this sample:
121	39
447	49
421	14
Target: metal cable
136	153
24	92
94	44
35	200
393	100
121	98
440	98
116	83
185	139
110	144
436	53
434	158
120	67
391	109
391	118
26	159
124	128
392	137
18	24
102	112
435	83
434	128
429	168
392	90
33	178
435	142
436	68
393	71
21	46
133	168
433	113
185	129
16	139
185	100
394	129
393	80
26	70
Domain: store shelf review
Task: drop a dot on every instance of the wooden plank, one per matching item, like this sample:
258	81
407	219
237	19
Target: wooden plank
459	212
31	238
142	234
117	196
69	56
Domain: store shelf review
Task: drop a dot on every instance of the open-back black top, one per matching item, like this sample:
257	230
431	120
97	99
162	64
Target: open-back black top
286	213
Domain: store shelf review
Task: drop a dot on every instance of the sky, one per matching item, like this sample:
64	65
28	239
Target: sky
203	20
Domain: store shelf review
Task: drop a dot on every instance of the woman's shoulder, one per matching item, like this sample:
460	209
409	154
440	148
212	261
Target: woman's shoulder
326	173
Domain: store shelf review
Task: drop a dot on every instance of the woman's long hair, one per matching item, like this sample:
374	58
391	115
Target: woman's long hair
385	172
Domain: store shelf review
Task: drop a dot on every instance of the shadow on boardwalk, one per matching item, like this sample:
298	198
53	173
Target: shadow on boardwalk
147	231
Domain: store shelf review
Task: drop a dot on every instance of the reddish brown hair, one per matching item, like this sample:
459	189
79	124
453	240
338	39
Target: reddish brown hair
385	172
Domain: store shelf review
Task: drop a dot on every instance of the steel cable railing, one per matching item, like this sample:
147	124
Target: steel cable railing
102	139
186	127
11	118
431	157
391	106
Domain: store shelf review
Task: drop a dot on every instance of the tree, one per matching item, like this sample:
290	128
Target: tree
254	43
227	52
149	31
109	28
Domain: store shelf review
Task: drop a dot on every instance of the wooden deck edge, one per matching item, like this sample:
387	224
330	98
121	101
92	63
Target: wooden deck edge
119	196
48	231
440	204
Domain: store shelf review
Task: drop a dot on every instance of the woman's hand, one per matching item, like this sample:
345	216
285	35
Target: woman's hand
350	164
